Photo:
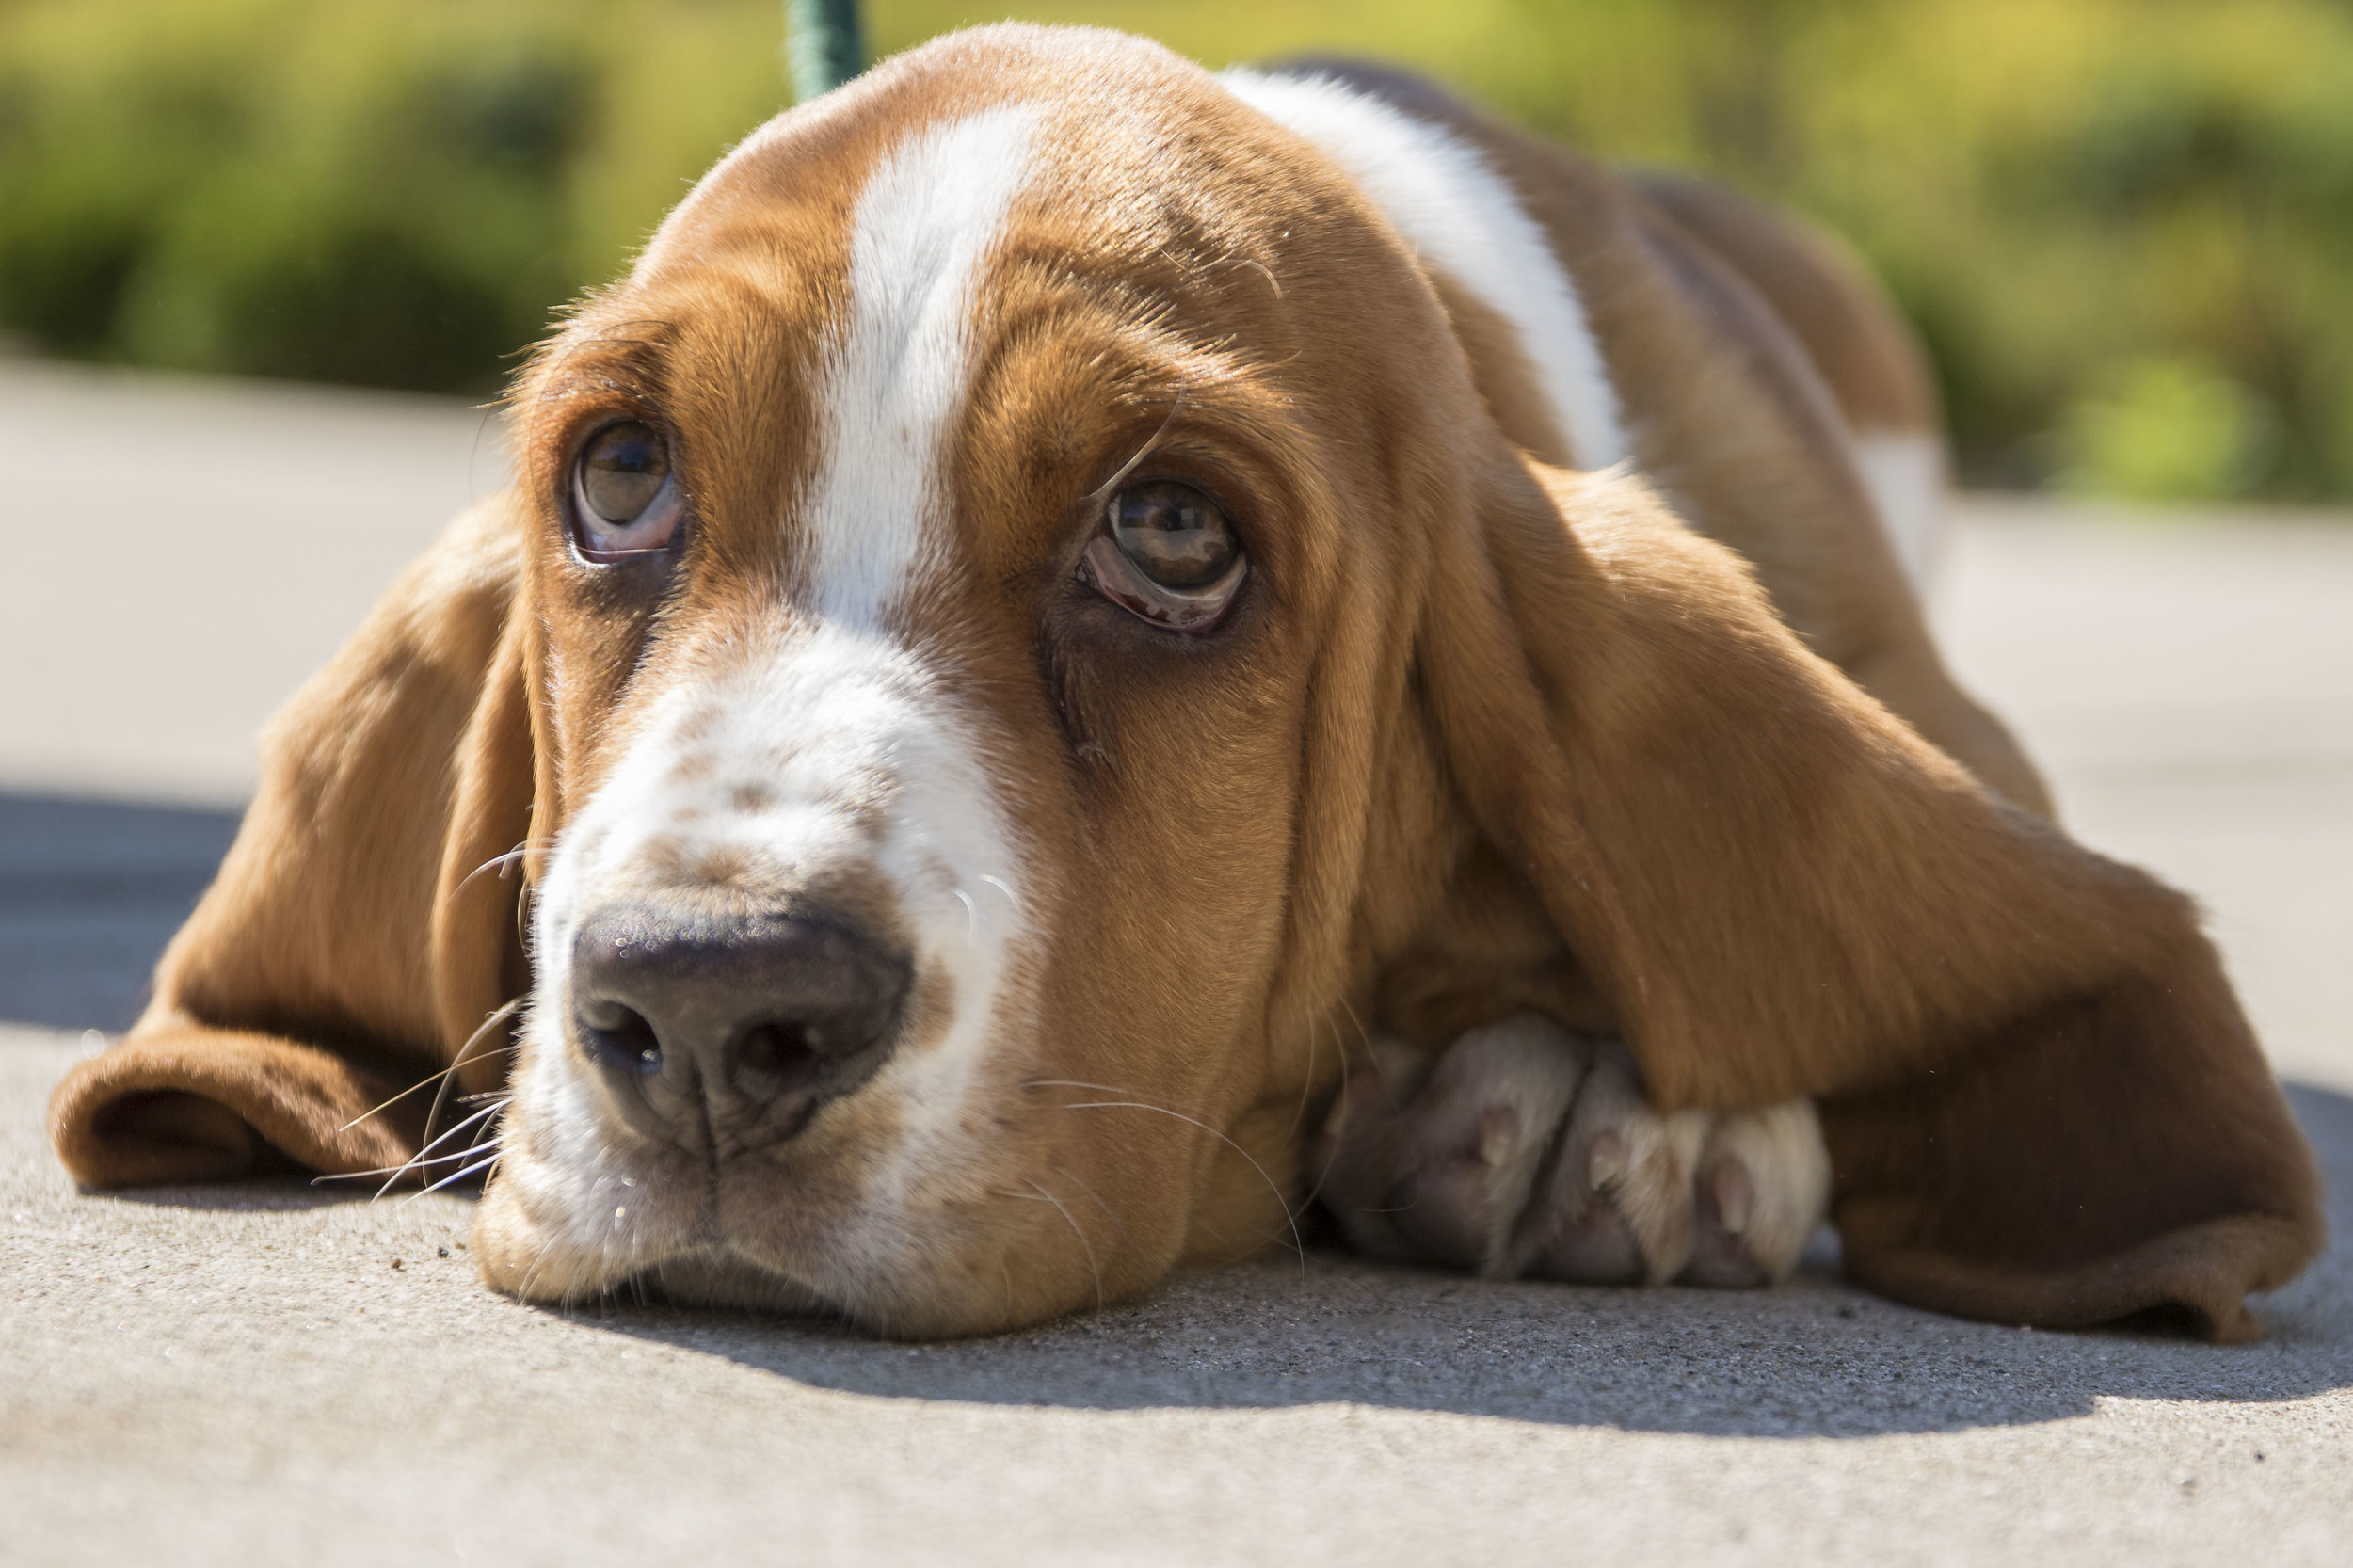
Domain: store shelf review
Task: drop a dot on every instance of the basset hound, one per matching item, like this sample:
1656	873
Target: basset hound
1086	652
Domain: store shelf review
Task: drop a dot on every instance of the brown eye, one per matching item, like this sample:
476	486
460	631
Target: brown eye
625	498
1174	534
1167	554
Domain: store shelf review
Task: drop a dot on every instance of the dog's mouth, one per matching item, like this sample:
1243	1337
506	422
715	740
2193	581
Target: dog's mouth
693	1193
720	1278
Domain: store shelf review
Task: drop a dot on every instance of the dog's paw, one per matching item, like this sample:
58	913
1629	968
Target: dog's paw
1763	1187
1525	1149
1615	1207
1433	1157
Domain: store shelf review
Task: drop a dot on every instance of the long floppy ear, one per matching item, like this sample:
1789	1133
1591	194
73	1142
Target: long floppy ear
2041	1101
348	948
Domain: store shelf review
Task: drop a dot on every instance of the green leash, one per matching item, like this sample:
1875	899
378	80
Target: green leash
823	43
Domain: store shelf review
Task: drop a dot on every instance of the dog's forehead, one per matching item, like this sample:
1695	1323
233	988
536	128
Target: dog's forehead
830	295
954	139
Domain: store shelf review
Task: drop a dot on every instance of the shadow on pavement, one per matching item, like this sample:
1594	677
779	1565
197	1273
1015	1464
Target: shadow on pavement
89	893
278	1194
1813	1358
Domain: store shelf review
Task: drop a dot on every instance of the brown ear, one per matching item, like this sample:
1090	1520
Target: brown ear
2041	1101
346	949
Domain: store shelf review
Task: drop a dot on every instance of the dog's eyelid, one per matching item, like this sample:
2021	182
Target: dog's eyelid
1107	569
1102	494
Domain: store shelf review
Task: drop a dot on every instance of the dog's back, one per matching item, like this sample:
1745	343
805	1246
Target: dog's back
1847	329
1864	352
1761	381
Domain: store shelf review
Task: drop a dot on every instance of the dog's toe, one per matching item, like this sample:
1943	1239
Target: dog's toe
1436	1161
1448	1205
1725	1197
1587	1240
1764	1181
1615	1208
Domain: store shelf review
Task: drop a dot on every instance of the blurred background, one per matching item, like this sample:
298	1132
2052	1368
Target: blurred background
2124	226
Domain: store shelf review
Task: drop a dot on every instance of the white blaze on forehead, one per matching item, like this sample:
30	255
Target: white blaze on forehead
925	226
1463	220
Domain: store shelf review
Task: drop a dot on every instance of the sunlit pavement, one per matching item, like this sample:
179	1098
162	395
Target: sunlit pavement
269	1375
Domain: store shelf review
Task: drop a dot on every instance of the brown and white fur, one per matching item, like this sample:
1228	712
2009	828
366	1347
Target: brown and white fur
1570	827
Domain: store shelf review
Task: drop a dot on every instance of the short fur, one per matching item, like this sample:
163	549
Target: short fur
1482	736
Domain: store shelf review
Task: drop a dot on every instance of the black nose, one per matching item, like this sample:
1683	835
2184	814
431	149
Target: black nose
736	1027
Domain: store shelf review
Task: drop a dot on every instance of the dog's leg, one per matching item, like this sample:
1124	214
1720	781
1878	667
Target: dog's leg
1525	1149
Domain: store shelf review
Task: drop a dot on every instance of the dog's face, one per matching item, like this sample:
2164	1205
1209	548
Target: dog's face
969	549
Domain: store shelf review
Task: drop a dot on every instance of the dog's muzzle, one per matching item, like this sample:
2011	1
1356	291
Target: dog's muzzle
724	1033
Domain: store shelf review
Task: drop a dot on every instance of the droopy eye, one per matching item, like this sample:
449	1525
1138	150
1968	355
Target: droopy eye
625	498
1167	554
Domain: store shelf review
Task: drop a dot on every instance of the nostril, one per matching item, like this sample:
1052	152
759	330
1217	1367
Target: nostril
788	1052
795	1052
619	1039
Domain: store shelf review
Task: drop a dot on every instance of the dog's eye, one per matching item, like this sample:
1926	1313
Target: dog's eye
1168	554
625	498
1174	534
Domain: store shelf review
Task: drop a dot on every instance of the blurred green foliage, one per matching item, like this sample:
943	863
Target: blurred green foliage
2125	226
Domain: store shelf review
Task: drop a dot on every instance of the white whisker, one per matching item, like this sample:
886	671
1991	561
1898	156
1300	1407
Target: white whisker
429	1077
423	1157
1306	1080
1333	1158
497	1015
1299	1243
1091	1193
1082	1235
445	1181
419	1161
504	861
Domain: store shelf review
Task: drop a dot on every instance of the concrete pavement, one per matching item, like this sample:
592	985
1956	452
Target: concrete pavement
191	551
274	1374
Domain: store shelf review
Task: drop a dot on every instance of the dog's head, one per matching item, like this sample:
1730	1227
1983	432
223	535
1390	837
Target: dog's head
1014	642
967	558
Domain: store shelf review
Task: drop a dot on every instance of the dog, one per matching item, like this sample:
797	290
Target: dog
1084	652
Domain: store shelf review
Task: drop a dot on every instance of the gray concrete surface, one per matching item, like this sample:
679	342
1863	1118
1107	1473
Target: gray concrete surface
276	1374
186	550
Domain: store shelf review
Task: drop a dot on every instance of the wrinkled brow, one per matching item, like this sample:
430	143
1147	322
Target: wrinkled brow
622	356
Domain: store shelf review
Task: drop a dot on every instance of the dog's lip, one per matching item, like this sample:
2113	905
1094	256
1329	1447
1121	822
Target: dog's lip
719	1274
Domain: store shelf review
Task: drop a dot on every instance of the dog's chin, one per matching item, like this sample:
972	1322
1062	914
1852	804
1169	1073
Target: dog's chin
534	1263
727	1279
681	1258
